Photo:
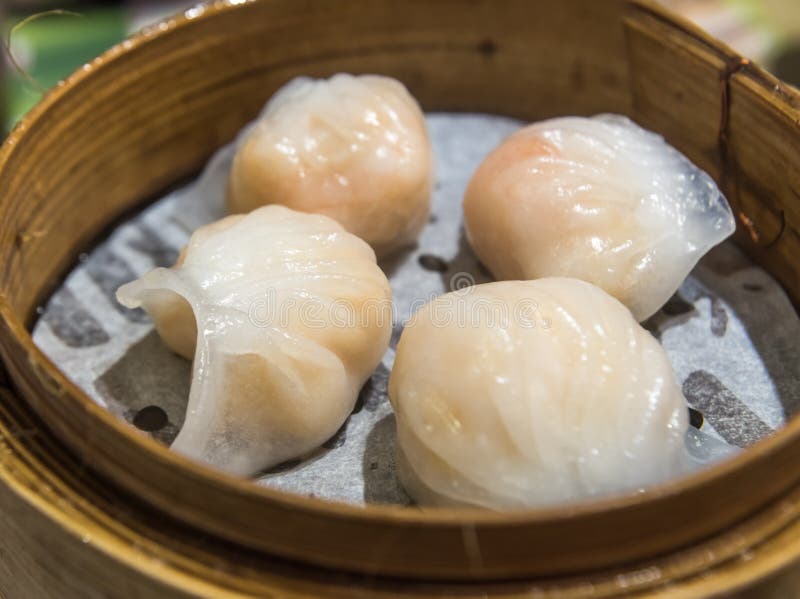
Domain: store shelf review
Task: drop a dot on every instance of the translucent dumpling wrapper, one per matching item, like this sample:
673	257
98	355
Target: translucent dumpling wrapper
599	199
525	393
354	148
285	315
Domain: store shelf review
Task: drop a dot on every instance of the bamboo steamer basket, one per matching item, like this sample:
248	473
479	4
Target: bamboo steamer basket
134	517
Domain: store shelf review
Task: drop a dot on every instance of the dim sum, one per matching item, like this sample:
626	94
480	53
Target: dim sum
285	315
599	199
523	393
353	148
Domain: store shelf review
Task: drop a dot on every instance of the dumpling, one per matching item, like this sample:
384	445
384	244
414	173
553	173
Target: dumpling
353	148
524	393
598	199
294	315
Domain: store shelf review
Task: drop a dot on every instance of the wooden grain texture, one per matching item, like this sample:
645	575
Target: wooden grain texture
676	84
731	118
153	109
764	171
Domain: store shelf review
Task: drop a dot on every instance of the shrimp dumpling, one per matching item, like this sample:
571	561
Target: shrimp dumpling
524	393
285	315
599	199
354	148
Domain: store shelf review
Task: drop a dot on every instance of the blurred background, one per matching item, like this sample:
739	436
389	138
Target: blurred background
39	51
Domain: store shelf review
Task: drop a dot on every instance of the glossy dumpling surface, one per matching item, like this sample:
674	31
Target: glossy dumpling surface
526	393
599	199
285	315
354	148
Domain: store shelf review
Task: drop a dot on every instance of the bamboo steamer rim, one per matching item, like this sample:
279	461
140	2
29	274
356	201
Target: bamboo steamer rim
59	385
69	513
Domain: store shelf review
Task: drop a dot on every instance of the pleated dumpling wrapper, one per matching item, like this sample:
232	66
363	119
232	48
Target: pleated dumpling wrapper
527	393
598	199
354	148
285	315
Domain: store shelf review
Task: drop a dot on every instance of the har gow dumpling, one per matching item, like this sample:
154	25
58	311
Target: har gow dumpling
293	316
354	148
599	199
524	393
